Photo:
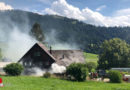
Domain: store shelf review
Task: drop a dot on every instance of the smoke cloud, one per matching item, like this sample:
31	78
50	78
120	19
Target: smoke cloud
52	40
35	71
14	40
17	45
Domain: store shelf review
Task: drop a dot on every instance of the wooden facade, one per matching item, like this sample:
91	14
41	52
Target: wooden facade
37	56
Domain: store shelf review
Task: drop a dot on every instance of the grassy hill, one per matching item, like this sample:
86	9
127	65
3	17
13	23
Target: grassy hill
39	83
89	57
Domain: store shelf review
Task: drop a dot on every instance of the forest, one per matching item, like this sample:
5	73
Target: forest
87	37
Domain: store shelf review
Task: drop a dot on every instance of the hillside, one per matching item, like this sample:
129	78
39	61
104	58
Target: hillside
89	57
62	30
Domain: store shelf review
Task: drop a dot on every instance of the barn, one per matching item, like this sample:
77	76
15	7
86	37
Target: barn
39	56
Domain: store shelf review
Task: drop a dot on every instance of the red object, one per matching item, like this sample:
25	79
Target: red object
125	79
0	80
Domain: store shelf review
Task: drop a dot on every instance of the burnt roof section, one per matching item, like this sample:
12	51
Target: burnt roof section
66	57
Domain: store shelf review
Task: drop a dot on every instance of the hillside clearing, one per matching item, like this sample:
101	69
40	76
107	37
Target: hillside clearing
89	57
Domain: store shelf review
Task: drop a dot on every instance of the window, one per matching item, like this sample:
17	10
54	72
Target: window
37	54
47	63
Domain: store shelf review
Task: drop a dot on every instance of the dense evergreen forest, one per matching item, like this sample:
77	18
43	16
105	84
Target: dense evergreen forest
87	37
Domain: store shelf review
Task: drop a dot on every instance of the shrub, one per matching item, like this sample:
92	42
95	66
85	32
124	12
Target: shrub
77	71
46	75
13	69
91	66
115	76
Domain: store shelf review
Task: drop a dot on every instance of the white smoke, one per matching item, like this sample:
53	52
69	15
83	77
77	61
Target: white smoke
55	68
35	71
15	40
19	43
51	39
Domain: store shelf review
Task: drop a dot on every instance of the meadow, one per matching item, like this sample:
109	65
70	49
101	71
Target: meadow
89	57
39	83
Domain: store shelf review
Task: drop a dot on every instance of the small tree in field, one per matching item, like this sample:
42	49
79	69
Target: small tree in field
115	76
13	69
78	71
91	66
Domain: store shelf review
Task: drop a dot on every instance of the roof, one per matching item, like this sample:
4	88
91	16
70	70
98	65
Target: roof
43	47
66	57
63	57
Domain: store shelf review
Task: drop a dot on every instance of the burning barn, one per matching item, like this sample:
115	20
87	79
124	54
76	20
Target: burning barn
39	56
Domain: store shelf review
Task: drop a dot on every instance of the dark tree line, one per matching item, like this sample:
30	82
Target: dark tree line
87	37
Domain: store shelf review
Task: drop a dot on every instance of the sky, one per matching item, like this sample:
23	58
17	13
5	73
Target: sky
96	12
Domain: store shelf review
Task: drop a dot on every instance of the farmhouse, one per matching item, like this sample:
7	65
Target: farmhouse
39	56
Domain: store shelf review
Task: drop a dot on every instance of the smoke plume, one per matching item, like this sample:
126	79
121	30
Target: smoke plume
52	40
14	39
17	45
35	71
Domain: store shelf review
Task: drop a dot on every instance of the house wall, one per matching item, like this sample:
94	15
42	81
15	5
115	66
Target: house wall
36	57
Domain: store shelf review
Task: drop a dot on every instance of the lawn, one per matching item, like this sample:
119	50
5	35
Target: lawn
39	83
91	57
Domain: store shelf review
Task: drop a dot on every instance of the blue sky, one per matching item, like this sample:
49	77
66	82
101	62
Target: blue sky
111	5
97	12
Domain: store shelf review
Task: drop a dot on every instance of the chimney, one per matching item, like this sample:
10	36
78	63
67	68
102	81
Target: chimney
50	50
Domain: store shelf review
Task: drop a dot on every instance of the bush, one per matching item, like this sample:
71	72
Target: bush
47	75
13	69
77	71
91	66
115	76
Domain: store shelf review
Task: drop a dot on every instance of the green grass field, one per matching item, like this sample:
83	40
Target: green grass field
91	57
39	83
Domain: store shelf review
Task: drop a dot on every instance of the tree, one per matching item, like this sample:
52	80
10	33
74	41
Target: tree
13	69
91	66
115	76
37	32
77	71
115	53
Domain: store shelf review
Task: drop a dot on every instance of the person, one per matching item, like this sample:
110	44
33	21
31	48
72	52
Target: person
1	82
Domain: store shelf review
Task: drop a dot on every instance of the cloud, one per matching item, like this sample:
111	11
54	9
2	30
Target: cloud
4	6
122	12
101	8
62	8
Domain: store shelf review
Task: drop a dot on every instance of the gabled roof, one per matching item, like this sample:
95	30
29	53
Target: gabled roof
43	47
